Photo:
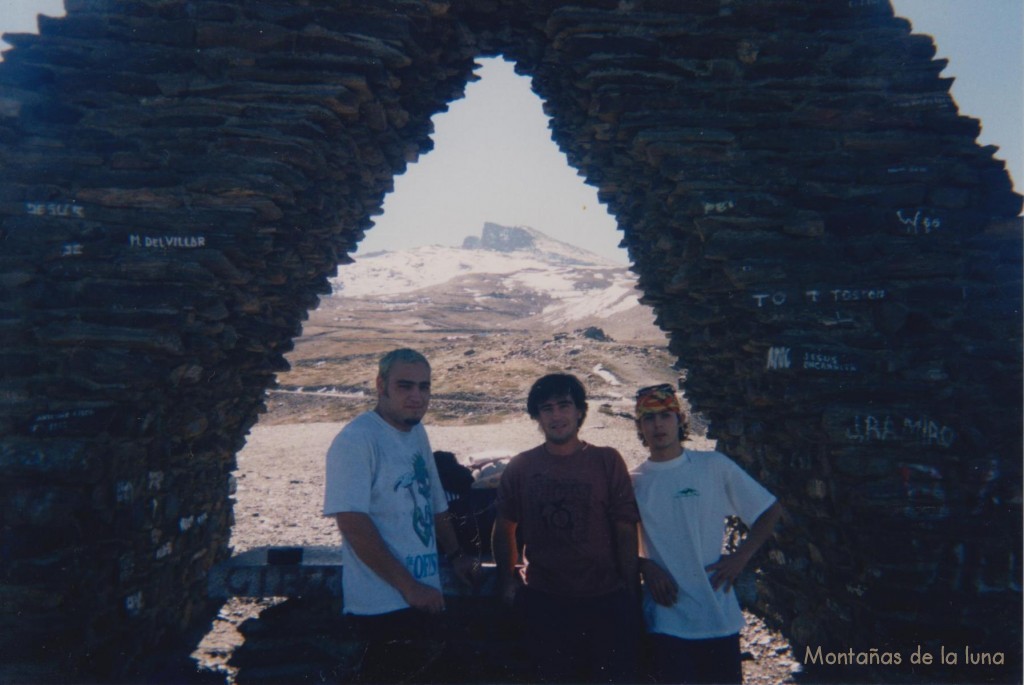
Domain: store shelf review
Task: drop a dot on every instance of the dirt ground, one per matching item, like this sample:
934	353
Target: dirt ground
478	376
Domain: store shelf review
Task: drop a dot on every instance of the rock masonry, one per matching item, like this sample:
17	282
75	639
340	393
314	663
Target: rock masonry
838	263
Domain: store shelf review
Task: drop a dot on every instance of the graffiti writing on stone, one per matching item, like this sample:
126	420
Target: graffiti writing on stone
924	102
70	211
928	432
918	223
718	207
779	358
787	358
909	169
823	361
282	581
871	427
836	319
818	296
164	242
133	604
62	422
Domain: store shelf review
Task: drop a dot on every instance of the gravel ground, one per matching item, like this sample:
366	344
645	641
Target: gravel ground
279	495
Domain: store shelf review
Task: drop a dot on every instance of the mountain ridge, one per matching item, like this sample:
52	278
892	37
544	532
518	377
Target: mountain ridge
499	238
507	278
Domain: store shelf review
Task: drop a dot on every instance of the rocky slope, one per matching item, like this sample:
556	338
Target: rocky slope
491	317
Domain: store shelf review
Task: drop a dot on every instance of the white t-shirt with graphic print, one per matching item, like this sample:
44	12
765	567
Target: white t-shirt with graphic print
683	504
376	469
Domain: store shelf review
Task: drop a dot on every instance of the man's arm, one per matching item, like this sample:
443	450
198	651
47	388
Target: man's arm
447	541
662	586
465	567
506	553
359	531
627	557
728	568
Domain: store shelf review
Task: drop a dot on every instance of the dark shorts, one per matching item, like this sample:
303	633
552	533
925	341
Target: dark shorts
581	640
405	624
400	646
677	660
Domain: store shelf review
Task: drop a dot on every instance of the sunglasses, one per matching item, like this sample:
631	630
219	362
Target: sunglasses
661	387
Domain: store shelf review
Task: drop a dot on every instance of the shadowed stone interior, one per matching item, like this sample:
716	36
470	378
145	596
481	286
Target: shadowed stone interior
835	258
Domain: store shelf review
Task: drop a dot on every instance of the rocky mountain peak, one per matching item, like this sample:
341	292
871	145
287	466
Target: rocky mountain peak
500	239
524	239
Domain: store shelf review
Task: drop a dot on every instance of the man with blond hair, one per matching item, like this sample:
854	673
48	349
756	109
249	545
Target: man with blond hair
383	490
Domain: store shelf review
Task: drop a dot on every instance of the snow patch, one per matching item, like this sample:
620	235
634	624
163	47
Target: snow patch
607	375
553	274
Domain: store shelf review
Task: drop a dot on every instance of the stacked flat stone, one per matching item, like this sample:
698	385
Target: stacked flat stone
836	259
179	180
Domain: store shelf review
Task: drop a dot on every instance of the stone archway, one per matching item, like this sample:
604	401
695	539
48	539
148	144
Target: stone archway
835	258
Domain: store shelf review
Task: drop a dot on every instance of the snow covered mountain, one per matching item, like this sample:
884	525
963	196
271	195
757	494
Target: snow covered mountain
508	277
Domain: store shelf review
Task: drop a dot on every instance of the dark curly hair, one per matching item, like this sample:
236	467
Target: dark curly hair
556	385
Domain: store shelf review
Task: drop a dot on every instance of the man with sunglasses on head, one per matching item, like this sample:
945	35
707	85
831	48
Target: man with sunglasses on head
692	616
572	504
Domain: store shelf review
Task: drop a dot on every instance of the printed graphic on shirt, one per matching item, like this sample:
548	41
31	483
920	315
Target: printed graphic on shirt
417	484
422	566
687	492
561	510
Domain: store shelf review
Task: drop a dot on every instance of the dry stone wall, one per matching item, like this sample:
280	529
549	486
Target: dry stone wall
836	259
838	263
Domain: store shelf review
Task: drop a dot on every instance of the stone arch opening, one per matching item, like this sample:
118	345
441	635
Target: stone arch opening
478	347
835	259
493	161
332	363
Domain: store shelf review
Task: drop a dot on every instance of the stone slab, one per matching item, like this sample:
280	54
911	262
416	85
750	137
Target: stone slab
307	571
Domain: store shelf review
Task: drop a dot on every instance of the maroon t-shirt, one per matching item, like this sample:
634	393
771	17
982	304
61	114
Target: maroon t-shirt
565	507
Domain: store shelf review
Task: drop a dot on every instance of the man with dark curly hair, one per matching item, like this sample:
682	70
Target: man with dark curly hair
572	505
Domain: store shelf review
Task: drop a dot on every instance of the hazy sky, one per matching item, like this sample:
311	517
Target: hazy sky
493	158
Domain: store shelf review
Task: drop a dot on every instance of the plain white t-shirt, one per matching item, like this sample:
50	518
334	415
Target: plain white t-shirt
683	504
390	475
